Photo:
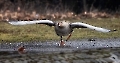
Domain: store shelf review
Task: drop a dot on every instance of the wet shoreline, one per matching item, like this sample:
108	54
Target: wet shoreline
70	45
78	51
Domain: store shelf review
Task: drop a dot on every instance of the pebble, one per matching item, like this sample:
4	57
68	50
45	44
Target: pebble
56	62
64	61
7	61
78	61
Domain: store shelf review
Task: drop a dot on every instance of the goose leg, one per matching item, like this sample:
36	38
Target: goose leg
62	43
61	38
68	37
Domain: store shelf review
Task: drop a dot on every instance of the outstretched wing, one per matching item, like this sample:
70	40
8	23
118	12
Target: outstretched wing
80	24
47	22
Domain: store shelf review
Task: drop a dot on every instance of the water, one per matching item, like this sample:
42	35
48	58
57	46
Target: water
77	51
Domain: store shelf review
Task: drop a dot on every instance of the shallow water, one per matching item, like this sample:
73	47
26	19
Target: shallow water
78	51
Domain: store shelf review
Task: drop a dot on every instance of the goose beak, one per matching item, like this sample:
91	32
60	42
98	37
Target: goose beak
59	24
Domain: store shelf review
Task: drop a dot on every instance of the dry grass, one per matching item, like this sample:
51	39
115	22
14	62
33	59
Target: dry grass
10	33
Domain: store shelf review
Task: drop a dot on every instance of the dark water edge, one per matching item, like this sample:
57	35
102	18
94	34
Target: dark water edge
101	55
83	51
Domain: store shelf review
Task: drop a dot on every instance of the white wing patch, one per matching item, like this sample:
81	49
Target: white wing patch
91	27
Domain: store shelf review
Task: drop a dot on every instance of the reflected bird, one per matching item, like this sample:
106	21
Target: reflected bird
21	50
62	28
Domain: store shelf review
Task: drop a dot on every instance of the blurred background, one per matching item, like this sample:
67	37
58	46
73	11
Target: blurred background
104	13
58	9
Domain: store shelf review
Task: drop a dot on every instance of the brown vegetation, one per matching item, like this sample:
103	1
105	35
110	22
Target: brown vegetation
24	15
45	9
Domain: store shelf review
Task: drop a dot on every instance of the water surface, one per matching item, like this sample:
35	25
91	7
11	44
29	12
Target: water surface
77	51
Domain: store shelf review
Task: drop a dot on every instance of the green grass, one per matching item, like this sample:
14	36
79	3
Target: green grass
37	32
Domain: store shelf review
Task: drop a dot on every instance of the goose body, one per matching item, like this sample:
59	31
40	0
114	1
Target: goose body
62	28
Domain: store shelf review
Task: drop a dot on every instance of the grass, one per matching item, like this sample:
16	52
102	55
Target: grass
37	32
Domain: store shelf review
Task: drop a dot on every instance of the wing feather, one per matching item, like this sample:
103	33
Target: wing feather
47	22
80	24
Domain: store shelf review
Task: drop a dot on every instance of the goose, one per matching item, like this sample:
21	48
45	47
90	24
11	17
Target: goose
62	28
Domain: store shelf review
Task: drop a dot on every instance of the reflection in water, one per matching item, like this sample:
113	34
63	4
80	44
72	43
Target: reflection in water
104	55
84	51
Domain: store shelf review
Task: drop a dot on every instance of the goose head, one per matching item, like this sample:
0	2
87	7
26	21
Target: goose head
63	24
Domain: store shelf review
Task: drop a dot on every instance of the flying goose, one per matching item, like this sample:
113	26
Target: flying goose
62	28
